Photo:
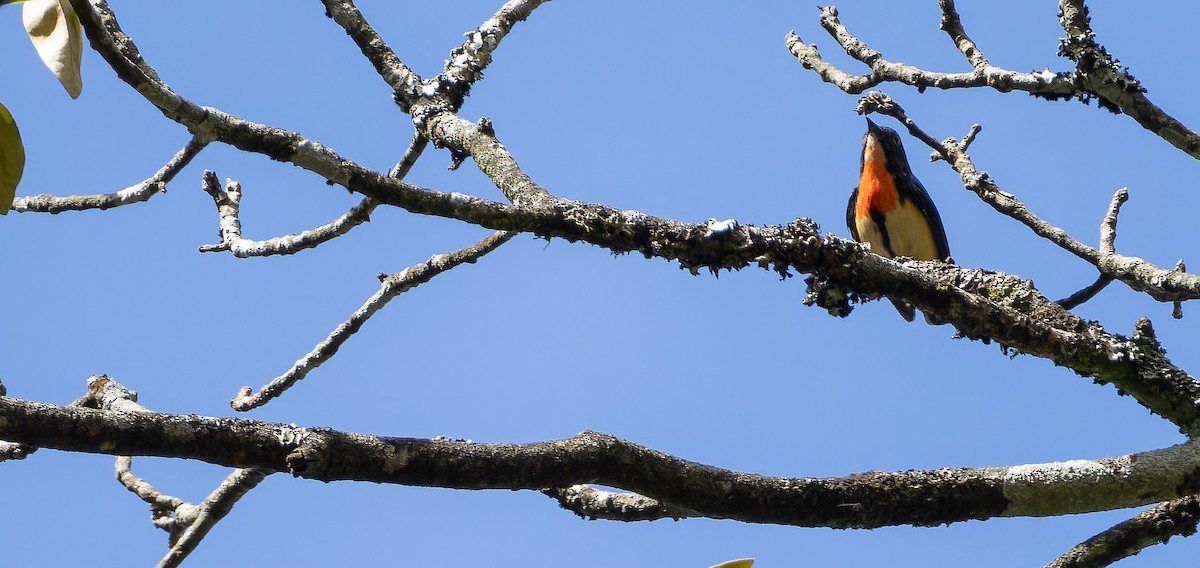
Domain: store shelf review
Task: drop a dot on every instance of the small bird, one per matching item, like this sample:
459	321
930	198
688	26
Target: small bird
890	209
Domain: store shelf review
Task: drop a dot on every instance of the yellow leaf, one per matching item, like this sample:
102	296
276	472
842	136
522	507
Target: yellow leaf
739	563
12	159
57	36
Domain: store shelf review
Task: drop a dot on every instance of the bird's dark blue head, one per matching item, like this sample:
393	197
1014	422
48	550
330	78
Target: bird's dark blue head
889	145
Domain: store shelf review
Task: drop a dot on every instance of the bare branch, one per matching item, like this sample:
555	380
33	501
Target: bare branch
1108	227
390	287
409	158
168	513
865	500
952	25
1086	293
467	62
1108	237
138	193
404	81
1098	73
433	110
118	50
882	70
1154	526
464	67
214	508
478	140
186	523
228	202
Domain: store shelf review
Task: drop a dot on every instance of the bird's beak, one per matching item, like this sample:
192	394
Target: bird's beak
871	127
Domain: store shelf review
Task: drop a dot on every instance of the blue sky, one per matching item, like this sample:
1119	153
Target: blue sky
685	111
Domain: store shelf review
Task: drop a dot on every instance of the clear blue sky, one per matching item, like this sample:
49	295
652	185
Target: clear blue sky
681	110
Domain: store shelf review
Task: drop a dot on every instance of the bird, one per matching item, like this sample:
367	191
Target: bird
890	209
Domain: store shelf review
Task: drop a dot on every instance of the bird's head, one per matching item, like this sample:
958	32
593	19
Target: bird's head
882	145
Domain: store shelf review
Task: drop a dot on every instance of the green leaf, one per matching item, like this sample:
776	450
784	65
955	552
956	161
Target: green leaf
57	36
12	159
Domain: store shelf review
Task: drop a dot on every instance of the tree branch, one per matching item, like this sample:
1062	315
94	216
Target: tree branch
882	70
405	82
433	108
215	507
186	524
1154	526
467	62
138	193
865	500
952	25
1098	73
228	202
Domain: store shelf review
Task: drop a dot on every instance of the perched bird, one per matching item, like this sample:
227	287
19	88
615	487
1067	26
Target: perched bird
890	209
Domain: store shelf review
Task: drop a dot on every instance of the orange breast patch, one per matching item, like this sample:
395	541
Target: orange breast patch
876	189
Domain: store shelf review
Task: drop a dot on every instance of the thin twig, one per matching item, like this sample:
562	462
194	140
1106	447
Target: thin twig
435	117
467	62
390	287
1108	237
1153	526
118	49
952	25
409	158
1108	226
404	81
1087	293
138	193
1098	75
186	524
215	507
228	202
167	512
882	70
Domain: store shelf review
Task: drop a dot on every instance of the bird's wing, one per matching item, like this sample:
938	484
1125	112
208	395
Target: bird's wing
923	202
850	214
